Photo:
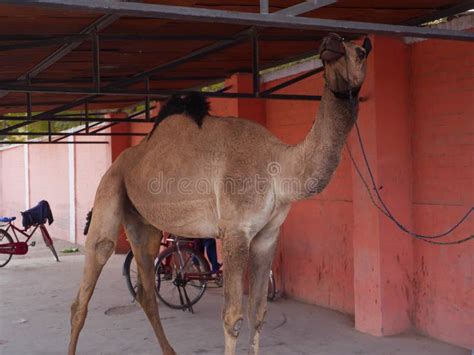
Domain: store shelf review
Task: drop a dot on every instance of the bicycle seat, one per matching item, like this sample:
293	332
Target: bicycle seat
7	219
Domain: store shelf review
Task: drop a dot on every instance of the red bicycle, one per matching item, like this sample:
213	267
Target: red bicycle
10	246
182	274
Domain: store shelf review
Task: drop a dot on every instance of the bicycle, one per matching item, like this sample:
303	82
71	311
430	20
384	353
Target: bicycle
9	247
182	275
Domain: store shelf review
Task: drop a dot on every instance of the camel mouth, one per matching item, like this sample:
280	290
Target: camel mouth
332	48
329	55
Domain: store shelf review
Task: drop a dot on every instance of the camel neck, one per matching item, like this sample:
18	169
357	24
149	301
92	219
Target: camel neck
317	157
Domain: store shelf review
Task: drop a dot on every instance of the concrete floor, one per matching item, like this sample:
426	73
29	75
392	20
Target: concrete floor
36	293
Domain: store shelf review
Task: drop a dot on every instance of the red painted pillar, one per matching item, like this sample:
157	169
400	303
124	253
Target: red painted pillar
119	143
383	255
250	109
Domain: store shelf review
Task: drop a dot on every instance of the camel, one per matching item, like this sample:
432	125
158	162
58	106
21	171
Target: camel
197	175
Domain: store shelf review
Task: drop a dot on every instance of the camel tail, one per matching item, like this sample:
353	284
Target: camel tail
88	222
194	105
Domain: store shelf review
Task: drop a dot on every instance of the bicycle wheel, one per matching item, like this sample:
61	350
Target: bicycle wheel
130	271
180	273
5	238
271	287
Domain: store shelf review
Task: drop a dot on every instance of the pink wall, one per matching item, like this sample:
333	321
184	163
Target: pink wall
91	163
49	181
12	178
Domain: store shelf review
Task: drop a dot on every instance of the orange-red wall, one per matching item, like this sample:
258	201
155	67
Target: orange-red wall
418	128
314	260
442	92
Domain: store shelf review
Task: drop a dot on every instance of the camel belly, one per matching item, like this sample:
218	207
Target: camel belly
188	218
205	216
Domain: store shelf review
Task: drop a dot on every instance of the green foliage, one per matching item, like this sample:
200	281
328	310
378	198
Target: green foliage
40	126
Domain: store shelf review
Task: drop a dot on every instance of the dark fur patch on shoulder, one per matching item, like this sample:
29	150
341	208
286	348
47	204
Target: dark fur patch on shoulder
194	105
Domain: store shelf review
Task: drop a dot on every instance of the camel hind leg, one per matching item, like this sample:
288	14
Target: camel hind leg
235	251
145	241
262	250
100	244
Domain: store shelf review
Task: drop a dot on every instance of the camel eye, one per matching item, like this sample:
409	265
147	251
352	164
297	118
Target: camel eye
361	53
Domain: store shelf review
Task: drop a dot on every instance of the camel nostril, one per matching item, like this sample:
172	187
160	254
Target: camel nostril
332	48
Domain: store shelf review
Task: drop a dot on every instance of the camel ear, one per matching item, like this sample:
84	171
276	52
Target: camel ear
367	45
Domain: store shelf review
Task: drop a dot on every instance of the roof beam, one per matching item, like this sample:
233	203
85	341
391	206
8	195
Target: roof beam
305	6
95	133
48	142
199	53
61	52
64	50
444	12
244	18
94	93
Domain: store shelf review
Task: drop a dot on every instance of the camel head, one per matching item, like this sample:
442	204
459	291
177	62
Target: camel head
344	62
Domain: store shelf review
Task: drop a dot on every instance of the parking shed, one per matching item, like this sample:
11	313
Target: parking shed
81	81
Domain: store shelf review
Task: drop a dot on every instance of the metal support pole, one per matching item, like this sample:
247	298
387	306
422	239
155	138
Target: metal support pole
293	81
53	142
29	105
114	121
147	99
95	133
96	61
73	119
159	93
264	8
86	109
255	63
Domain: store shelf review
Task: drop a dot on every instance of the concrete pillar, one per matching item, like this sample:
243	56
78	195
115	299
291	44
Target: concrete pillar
119	143
383	255
251	109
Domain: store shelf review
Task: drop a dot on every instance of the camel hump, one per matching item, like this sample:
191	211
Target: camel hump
194	105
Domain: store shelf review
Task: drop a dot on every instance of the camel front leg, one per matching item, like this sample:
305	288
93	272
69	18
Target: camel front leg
97	254
262	250
235	251
100	245
145	242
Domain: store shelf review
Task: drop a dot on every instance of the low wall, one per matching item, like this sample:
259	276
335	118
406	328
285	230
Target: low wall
65	175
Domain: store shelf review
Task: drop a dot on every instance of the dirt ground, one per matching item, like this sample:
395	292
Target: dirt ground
36	293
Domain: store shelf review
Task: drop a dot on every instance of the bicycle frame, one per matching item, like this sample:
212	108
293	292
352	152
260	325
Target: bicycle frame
15	229
188	276
21	247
